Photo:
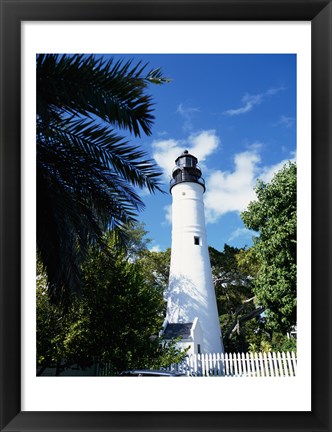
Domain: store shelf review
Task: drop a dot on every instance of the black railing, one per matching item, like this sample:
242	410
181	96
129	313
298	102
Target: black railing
186	177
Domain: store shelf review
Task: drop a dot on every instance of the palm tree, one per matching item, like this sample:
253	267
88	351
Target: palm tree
87	174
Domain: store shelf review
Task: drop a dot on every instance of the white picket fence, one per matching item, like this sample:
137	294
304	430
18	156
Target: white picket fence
273	364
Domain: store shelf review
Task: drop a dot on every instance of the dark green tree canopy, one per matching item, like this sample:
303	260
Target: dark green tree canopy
273	214
87	174
116	321
235	298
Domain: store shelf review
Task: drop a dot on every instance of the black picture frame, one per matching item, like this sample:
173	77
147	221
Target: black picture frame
13	12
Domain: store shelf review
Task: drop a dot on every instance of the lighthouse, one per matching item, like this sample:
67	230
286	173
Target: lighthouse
192	315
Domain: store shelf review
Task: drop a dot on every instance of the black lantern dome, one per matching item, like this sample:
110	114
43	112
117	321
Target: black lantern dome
186	170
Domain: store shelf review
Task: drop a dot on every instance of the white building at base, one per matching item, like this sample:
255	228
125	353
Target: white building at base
192	313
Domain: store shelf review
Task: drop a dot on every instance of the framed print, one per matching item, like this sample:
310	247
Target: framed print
106	403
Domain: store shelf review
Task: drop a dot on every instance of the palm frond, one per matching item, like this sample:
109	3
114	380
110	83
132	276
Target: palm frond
86	172
112	91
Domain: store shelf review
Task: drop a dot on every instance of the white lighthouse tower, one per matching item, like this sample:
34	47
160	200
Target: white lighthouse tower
192	311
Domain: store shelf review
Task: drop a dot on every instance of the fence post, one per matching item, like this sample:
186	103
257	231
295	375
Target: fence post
275	364
210	365
231	364
226	364
284	362
243	362
294	362
222	364
199	365
265	364
271	365
234	363
206	364
239	363
280	368
261	364
215	364
248	364
256	365
289	364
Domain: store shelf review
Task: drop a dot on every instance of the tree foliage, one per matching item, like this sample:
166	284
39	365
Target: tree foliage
238	313
116	321
156	266
87	174
243	321
129	309
273	214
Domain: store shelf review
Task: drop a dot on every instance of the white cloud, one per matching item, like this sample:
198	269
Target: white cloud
249	101
285	121
268	172
226	191
242	232
168	215
155	248
232	191
201	145
162	133
165	152
187	113
273	91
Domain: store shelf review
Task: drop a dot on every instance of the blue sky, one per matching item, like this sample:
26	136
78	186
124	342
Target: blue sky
237	115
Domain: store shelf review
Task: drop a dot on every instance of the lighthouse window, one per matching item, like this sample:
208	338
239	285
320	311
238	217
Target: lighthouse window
197	241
